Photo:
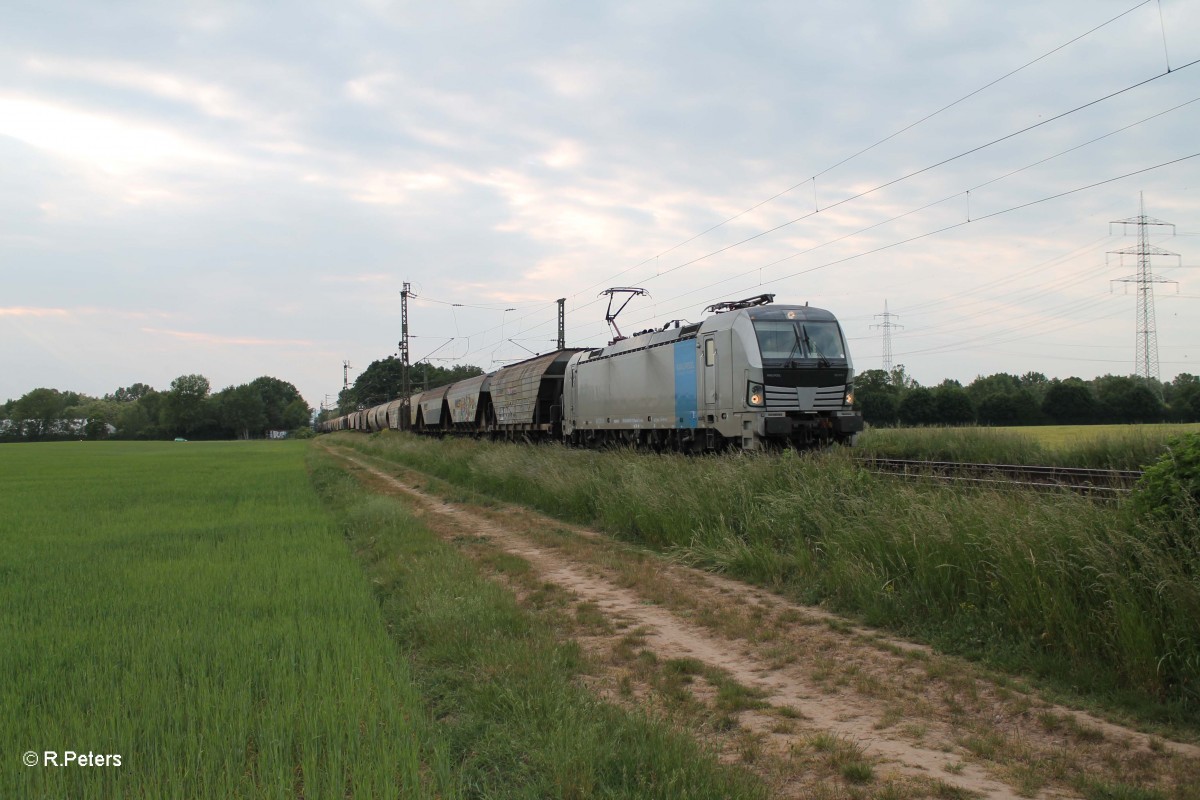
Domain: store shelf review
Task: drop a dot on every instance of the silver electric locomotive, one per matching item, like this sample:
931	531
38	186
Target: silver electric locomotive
751	376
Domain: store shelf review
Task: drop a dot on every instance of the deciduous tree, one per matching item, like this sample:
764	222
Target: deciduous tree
1126	399
37	411
953	405
283	406
241	411
918	407
1070	402
183	408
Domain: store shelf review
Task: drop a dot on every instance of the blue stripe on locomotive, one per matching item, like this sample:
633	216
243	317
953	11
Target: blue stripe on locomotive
685	384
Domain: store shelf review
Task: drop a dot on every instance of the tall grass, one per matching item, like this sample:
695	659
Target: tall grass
1053	584
193	609
516	720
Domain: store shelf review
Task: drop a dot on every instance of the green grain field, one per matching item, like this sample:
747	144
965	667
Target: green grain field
191	609
227	620
1093	446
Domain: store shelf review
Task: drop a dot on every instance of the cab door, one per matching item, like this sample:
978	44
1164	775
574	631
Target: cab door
709	357
569	412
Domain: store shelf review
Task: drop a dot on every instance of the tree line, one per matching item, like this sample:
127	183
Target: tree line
188	409
1031	399
383	381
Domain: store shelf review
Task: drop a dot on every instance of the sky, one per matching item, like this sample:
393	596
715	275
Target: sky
242	189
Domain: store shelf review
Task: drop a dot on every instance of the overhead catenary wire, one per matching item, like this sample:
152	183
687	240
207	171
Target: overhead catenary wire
920	171
947	228
660	273
480	306
867	149
927	234
963	319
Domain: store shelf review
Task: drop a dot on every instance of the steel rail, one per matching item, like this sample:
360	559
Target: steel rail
1099	481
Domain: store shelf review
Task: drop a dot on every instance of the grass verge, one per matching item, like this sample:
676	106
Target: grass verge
1083	595
506	694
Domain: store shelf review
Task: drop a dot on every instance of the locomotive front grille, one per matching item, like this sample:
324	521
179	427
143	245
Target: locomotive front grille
804	398
829	398
782	398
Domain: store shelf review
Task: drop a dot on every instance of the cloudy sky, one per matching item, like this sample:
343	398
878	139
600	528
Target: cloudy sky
241	189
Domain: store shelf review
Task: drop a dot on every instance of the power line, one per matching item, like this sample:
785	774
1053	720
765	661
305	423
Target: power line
482	307
893	135
986	86
932	233
928	168
890	183
1163	26
1027	334
913	174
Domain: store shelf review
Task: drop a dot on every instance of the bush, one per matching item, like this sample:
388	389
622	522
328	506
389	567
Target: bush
1170	488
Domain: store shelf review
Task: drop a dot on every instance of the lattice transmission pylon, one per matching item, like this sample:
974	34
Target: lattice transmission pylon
887	326
1146	346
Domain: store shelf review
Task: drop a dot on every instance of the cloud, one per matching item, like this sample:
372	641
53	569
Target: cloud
369	278
565	154
107	142
20	311
76	313
240	341
370	90
209	98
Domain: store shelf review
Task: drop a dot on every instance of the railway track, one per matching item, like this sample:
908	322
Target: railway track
1101	482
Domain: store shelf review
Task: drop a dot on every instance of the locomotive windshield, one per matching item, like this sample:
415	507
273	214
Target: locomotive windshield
788	340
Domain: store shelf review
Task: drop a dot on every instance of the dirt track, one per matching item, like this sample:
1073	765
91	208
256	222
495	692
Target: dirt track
827	693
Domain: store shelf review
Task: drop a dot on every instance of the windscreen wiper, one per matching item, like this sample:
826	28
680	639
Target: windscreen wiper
821	359
792	352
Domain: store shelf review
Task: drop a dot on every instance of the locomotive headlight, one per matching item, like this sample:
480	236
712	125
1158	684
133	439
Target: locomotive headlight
755	396
849	395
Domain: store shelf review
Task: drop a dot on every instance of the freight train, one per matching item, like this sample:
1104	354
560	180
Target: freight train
752	376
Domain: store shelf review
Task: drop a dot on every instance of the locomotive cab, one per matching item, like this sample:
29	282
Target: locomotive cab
775	375
803	380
